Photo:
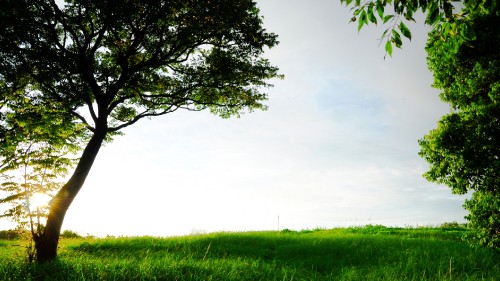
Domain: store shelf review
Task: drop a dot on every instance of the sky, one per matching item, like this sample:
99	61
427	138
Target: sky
337	146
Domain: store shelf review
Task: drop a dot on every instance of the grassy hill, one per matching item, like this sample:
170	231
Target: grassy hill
368	253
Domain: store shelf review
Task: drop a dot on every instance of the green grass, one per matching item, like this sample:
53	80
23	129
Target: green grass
369	253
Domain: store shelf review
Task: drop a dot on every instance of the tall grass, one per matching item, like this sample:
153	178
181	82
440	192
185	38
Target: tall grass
369	253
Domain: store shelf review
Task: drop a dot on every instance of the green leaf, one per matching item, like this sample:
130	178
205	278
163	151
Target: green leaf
448	9
404	30
380	10
396	38
365	18
387	18
445	29
433	15
409	16
371	16
362	20
388	47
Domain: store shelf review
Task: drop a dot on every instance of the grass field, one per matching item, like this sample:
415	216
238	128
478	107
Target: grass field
368	253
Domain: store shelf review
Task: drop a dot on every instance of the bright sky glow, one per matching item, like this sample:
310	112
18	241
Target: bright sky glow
38	200
337	147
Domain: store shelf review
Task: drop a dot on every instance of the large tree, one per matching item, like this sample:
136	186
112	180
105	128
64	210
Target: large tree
464	150
107	64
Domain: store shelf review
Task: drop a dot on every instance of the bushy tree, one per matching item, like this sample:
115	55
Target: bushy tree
464	150
106	64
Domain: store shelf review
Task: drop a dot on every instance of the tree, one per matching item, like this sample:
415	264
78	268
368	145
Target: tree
464	150
108	64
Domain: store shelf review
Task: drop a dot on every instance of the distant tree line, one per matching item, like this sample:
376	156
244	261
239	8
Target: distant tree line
13	234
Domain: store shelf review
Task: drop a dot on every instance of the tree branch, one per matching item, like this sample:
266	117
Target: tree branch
87	125
142	115
60	16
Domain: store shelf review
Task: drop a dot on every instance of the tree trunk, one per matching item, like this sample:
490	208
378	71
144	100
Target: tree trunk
46	243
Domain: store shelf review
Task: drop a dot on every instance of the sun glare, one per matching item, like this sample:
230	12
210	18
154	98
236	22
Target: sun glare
39	200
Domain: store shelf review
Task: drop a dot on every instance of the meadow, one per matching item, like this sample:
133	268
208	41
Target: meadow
360	253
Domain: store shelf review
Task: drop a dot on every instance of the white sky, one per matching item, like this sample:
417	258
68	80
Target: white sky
337	147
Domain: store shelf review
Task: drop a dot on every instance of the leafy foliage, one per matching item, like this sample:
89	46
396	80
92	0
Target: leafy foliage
463	150
484	217
439	14
36	145
70	234
10	234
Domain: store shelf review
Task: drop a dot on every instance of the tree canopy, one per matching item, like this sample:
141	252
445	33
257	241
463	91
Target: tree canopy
104	65
441	15
464	150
